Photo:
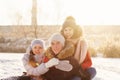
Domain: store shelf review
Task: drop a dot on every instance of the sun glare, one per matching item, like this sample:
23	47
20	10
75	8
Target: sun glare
86	12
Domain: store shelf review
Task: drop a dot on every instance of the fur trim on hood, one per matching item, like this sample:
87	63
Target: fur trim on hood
68	51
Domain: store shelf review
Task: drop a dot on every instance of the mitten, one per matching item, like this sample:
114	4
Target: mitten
64	65
51	62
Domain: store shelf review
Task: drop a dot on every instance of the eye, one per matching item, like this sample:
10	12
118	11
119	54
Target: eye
65	30
35	47
52	43
58	42
40	47
69	29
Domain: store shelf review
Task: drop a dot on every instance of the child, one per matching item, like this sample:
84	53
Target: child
33	61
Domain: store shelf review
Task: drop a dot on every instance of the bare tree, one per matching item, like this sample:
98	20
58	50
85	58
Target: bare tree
34	16
57	4
19	31
18	18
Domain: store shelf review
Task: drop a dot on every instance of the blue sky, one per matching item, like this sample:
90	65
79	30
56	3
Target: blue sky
86	12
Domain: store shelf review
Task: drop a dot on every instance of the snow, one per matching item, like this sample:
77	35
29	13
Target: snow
10	65
107	68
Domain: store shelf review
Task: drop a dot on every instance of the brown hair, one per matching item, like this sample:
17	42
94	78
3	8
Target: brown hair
70	22
32	59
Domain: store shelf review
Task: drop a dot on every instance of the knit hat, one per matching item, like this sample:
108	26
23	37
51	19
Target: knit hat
58	37
37	41
69	22
70	18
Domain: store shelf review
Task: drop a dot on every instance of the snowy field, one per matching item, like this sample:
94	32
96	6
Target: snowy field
107	68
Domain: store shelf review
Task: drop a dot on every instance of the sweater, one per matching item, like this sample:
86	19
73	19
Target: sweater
36	71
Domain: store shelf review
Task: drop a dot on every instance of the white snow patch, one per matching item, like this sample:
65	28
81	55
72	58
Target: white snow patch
107	68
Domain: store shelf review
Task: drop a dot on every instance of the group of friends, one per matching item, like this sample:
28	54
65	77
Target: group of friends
66	58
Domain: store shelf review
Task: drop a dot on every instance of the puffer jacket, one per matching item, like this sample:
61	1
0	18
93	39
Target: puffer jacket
36	71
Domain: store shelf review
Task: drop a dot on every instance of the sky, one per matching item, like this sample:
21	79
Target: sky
86	12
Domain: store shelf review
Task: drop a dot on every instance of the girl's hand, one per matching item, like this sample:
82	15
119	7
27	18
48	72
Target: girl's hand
52	62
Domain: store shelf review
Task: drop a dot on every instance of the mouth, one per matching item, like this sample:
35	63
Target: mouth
68	36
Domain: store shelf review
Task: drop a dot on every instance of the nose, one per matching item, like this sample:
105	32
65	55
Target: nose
37	49
55	46
67	32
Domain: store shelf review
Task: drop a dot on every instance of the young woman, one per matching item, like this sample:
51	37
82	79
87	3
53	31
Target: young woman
67	66
72	32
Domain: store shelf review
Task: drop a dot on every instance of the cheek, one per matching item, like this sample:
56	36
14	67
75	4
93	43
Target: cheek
60	47
65	33
71	32
41	50
36	51
54	48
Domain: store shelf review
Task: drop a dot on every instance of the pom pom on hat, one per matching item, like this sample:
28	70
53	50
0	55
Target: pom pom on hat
69	22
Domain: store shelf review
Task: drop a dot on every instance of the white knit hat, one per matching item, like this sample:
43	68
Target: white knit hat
37	41
57	37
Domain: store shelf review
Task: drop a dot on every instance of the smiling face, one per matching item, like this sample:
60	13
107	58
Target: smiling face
68	32
37	49
56	46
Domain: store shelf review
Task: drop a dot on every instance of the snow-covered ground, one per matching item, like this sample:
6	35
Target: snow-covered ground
107	68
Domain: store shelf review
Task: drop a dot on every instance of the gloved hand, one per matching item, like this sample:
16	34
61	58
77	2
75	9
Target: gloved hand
52	62
64	65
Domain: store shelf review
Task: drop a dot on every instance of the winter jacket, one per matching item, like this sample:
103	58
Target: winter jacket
36	71
67	51
85	58
87	62
57	74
